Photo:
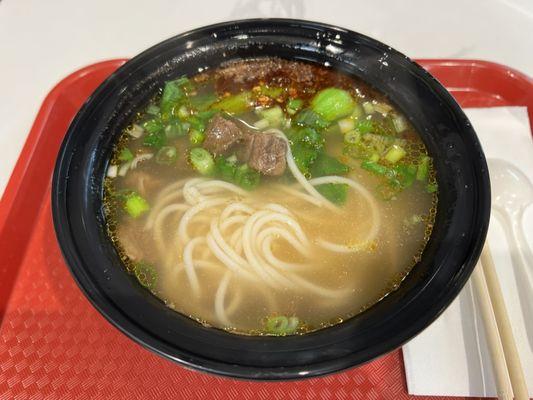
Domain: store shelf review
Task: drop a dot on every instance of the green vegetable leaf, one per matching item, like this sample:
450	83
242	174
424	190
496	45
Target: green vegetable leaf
173	93
334	192
308	117
236	104
332	104
202	102
406	174
293	105
307	136
327	165
304	155
271	91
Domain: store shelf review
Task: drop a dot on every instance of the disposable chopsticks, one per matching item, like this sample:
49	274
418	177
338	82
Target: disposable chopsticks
500	339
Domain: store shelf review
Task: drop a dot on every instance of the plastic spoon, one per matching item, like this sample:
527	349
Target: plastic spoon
512	193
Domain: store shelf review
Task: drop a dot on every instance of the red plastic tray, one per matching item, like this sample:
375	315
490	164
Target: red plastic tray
55	345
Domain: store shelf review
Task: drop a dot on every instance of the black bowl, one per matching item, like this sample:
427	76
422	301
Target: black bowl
459	232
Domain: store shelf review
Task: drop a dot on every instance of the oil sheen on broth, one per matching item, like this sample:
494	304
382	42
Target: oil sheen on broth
270	197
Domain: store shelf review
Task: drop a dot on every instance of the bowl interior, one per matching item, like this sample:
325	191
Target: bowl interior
458	234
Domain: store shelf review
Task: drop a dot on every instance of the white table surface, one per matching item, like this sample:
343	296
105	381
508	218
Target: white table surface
42	41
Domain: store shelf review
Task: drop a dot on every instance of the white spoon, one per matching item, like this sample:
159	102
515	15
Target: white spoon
512	193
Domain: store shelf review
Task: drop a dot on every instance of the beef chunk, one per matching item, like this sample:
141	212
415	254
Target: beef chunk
266	153
245	147
221	135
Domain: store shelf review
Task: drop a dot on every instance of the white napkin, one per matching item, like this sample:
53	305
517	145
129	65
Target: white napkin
450	358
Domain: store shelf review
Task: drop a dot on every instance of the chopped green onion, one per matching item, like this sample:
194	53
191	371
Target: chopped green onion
124	168
365	126
196	137
155	139
332	104
374	167
152	109
175	129
293	105
294	322
374	157
183	112
136	131
399	124
395	154
145	274
382	108
112	171
135	205
346	125
423	169
202	161
225	168
368	107
236	104
153	125
125	155
357	111
281	325
277	325
246	177
432	188
195	122
352	137
166	155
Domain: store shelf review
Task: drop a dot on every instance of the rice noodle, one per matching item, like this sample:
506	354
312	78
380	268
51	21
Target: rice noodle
224	231
189	266
219	300
298	175
376	217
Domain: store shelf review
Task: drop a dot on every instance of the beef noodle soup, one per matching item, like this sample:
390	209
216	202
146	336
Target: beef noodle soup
270	197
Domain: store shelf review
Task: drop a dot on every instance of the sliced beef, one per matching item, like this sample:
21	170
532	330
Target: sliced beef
266	153
221	135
